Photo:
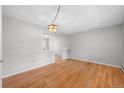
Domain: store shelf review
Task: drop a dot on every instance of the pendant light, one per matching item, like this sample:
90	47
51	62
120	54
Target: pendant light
53	27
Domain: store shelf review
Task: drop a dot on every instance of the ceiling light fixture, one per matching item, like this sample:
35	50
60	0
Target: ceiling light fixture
53	27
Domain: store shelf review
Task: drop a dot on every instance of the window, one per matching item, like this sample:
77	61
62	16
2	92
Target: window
46	44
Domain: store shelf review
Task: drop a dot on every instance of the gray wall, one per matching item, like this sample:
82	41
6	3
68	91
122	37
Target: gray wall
22	46
101	45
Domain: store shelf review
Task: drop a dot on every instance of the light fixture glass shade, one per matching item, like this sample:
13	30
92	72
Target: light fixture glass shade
52	28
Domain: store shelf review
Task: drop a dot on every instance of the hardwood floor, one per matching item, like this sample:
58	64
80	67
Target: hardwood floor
68	74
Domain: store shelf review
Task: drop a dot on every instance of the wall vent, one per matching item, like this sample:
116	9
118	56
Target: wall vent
122	68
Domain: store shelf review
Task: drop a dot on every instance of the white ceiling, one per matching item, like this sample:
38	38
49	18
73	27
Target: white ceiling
71	18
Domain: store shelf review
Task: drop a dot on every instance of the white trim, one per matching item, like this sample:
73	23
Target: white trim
85	60
91	61
24	70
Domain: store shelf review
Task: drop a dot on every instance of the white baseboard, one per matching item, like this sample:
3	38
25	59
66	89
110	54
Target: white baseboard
85	60
91	61
5	76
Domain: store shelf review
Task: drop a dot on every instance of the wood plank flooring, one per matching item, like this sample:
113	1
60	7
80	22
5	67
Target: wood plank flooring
68	74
